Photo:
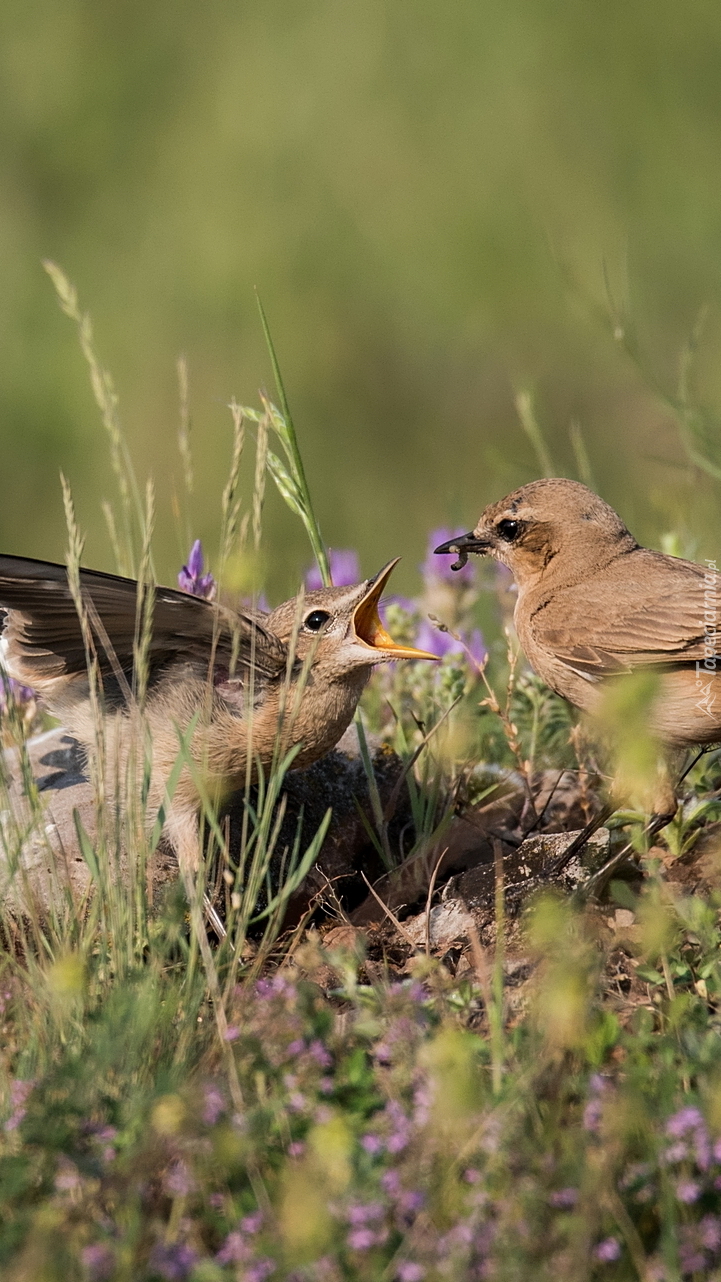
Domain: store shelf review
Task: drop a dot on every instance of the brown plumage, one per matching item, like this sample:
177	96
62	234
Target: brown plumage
258	685
593	604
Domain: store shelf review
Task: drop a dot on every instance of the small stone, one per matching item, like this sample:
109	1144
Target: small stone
449	921
345	936
623	918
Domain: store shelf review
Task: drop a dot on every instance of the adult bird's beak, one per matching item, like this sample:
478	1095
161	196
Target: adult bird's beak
368	626
463	544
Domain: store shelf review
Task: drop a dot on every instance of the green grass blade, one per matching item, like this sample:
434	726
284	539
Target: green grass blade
295	458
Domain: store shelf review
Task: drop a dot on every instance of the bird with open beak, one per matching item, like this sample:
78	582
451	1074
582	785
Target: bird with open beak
593	604
241	688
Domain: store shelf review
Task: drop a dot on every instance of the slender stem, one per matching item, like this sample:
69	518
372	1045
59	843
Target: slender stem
496	1029
295	455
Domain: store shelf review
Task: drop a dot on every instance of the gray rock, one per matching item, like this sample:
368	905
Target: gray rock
45	795
531	865
40	858
45	791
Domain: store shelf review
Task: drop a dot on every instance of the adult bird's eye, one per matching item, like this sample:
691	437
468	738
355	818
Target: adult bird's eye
508	530
316	619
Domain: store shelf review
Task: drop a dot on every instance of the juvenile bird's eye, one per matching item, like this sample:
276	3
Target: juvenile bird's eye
315	620
508	530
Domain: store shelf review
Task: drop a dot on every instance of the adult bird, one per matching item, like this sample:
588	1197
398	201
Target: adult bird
593	604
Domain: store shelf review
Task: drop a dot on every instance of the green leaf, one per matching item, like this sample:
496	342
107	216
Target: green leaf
301	872
86	847
649	975
624	896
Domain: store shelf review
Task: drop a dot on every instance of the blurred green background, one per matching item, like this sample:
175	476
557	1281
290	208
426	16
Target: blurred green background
434	201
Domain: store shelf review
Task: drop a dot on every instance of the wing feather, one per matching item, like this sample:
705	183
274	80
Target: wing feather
643	610
44	637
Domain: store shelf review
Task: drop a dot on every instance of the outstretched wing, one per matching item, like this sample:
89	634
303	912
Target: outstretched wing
644	610
44	636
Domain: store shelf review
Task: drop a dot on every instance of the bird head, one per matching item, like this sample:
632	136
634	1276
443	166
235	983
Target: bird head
341	627
546	519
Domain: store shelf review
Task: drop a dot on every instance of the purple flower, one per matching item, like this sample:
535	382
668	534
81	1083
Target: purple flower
99	1261
173	1260
408	1271
688	1191
15	691
257	605
361	1239
692	1261
360	1213
234	1249
232	1033
278	986
19	1091
344	570
564	1197
410	1201
391	1182
296	1148
191	578
252	1223
431	638
213	1104
178	1181
400	1134
372	1144
318	1052
477	648
459	1236
68	1176
687	1119
439	567
608	1250
710	1232
592	1114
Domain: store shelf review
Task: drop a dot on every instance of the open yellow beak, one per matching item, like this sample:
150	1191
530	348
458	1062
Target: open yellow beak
368	626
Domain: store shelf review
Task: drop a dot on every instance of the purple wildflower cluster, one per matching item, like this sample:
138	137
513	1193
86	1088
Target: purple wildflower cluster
694	1161
173	1260
690	1159
419	1201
